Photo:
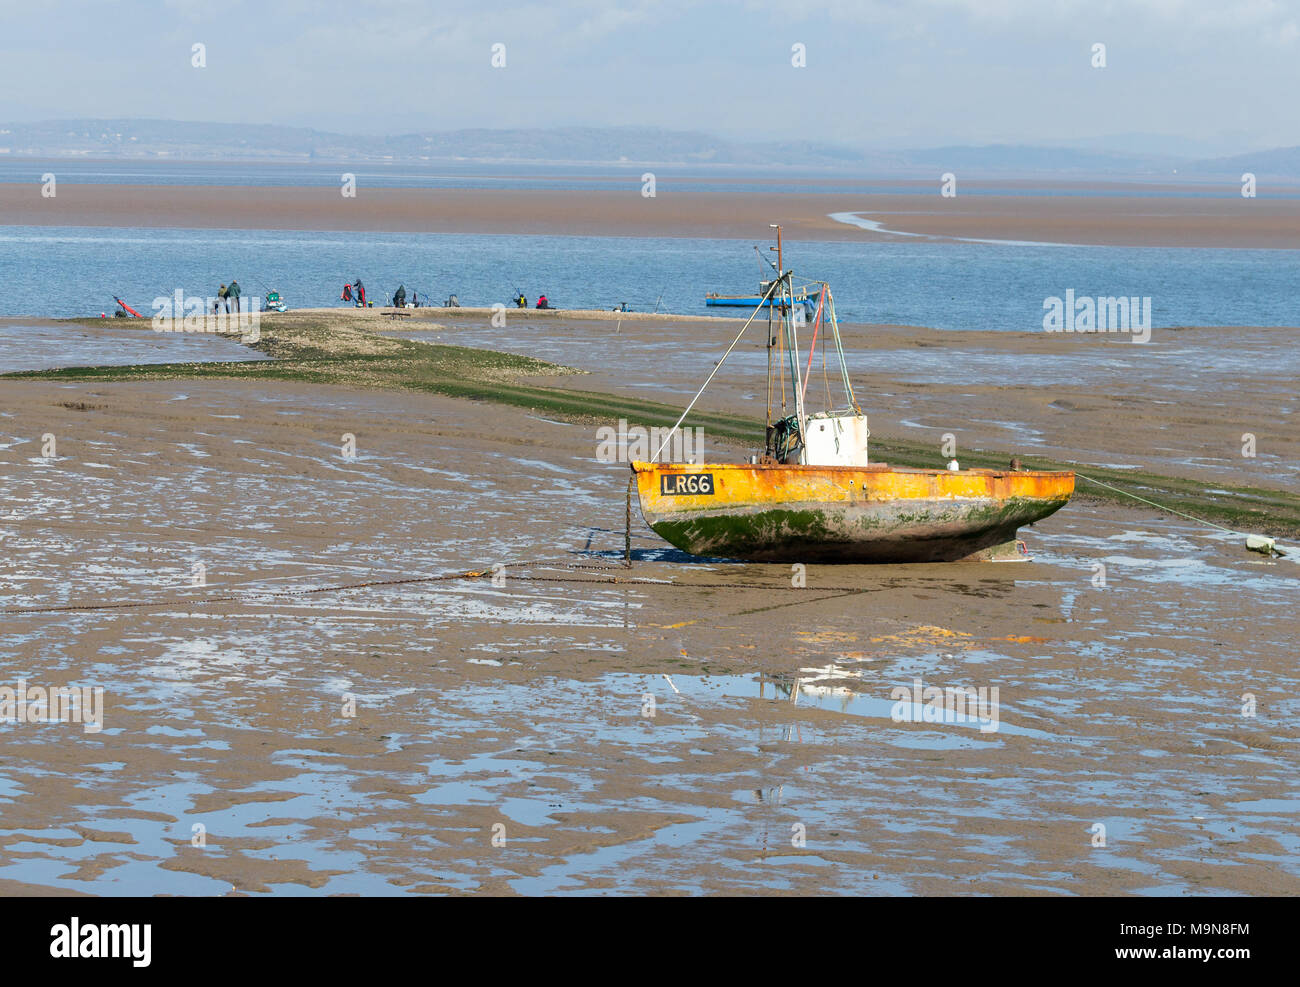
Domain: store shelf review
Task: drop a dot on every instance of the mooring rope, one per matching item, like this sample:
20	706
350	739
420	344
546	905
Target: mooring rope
1162	507
1266	545
464	574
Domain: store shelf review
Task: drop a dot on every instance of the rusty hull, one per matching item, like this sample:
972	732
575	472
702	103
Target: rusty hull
779	513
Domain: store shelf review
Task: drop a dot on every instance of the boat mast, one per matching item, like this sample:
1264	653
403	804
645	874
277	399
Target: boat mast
770	342
780	353
791	337
796	375
777	340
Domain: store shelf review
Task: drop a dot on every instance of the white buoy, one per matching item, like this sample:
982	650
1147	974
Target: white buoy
1263	544
952	465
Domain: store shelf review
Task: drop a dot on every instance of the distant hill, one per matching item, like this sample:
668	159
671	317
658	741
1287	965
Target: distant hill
177	140
1039	160
572	145
1278	161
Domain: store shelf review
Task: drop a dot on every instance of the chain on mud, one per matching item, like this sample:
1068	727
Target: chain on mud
461	575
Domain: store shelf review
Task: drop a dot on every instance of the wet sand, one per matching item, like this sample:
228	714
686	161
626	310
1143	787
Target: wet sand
35	344
1180	404
518	710
1126	218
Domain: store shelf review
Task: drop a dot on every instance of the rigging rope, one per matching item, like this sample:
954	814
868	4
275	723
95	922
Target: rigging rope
817	325
716	368
839	349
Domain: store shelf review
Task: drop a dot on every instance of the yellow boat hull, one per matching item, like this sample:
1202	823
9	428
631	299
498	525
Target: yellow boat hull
777	513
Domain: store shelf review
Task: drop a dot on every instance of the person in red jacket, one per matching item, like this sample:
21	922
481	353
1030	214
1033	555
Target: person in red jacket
543	303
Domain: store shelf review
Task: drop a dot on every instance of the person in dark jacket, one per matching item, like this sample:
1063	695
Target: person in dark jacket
233	293
399	297
521	301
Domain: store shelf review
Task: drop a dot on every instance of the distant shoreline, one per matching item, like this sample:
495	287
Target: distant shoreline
1120	220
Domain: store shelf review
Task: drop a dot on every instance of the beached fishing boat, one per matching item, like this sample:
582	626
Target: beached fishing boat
814	496
776	512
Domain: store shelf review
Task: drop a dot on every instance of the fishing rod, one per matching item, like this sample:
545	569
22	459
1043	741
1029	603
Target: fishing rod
267	289
514	299
277	306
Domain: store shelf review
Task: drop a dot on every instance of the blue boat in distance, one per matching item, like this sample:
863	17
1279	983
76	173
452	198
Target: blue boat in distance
753	301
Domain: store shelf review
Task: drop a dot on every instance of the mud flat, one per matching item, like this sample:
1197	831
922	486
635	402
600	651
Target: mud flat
34	344
1180	404
1121	215
517	708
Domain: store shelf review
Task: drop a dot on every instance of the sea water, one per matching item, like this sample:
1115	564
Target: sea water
76	271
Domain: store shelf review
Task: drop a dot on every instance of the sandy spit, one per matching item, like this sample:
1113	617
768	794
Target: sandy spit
1122	219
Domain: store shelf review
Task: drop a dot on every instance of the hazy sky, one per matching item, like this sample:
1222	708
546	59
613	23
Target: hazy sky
883	72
